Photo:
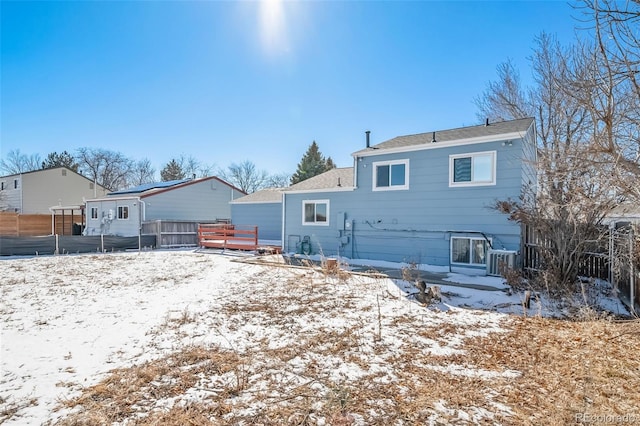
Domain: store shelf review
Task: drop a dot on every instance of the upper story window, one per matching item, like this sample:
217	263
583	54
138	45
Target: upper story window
15	184
315	212
474	169
2	186
123	212
94	212
390	175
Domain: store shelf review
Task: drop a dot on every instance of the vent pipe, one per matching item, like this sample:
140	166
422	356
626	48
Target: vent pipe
433	137
486	123
367	133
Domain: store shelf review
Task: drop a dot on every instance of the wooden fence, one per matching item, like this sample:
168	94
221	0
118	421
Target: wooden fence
237	237
37	225
616	261
174	233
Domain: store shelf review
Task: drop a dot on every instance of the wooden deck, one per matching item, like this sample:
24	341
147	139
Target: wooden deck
225	236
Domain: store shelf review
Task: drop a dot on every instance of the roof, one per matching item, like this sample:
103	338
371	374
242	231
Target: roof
331	179
50	169
451	135
147	190
149	186
267	195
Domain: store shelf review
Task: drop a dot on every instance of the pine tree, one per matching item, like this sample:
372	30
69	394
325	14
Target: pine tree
63	159
312	164
172	171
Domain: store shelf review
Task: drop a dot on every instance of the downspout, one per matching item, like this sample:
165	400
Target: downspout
141	217
53	220
284	204
355	172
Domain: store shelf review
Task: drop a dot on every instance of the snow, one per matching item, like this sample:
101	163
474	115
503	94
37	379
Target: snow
69	320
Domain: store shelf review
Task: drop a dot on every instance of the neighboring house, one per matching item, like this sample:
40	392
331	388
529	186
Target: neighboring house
426	198
262	209
37	191
196	200
624	213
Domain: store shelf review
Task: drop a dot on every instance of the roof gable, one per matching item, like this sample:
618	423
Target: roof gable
331	179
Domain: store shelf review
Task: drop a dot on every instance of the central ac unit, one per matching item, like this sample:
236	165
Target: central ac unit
499	260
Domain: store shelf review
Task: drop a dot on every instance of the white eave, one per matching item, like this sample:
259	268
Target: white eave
319	190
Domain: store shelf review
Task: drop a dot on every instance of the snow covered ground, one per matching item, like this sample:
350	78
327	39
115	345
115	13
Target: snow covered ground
67	321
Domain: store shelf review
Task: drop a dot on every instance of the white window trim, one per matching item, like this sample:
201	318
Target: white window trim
452	157
305	202
118	213
488	240
374	180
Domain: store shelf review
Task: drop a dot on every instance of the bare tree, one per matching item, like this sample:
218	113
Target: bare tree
142	172
576	184
17	162
278	180
108	168
613	87
245	176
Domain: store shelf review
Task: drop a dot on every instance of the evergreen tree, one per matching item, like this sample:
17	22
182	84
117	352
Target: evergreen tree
63	159
172	171
312	164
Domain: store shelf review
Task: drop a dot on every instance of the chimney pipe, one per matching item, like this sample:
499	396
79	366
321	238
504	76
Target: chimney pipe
486	123
433	138
367	133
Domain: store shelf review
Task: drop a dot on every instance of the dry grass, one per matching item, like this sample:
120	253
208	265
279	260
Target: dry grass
539	371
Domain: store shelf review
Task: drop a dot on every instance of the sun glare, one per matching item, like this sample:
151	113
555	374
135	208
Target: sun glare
273	26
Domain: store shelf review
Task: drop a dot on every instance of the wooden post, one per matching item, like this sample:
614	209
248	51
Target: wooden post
527	299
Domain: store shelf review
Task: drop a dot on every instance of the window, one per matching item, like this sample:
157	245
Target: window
64	172
123	212
1	186
390	175
469	250
315	212
472	169
94	212
91	185
15	184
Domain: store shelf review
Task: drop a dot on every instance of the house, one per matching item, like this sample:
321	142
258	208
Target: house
191	200
423	198
36	192
262	209
624	213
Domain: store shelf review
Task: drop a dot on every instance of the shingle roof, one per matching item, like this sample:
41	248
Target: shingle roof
332	179
268	195
461	133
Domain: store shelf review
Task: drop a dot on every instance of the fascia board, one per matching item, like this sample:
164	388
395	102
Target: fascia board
437	145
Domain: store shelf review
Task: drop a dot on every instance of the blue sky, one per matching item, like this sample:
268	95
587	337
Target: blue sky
226	82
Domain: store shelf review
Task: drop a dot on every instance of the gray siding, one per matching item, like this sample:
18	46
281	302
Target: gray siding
413	225
113	226
266	216
11	198
202	201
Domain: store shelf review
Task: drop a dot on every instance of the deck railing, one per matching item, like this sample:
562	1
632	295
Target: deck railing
226	236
